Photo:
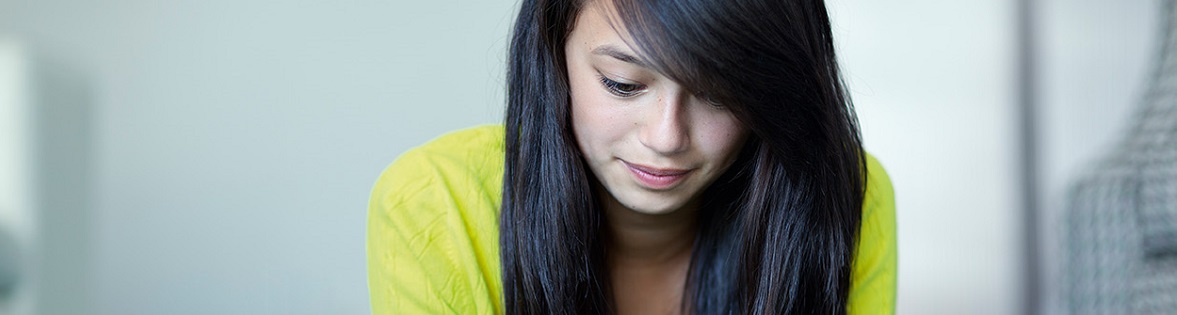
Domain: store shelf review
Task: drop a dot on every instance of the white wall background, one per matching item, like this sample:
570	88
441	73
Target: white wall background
934	85
232	144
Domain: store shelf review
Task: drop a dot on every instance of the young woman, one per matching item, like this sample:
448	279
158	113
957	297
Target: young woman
658	157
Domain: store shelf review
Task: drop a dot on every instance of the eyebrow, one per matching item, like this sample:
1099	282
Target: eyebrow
611	51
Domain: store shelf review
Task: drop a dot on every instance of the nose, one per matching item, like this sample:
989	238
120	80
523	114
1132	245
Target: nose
666	130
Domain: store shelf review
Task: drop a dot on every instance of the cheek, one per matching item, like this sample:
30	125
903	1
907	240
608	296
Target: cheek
724	139
595	121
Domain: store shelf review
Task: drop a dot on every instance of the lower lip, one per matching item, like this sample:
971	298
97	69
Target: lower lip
655	181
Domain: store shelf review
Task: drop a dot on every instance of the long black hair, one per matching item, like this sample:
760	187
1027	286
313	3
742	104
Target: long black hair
777	231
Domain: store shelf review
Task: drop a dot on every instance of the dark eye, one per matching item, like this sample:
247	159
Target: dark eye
622	89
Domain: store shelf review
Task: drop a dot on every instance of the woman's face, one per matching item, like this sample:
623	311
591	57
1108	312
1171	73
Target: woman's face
653	145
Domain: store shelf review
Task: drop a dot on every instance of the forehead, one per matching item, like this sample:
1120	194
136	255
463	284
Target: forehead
599	30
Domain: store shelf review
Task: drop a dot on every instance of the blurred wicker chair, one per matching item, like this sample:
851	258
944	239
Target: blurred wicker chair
1121	219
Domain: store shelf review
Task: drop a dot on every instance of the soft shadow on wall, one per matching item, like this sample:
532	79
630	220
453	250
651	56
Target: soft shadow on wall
46	178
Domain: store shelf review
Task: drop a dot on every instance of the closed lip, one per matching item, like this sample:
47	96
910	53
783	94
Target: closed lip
657	178
657	171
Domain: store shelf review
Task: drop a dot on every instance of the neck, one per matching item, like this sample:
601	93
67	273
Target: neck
648	256
649	239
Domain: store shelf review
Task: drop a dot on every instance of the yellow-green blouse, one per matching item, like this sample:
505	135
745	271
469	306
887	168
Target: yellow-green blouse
433	236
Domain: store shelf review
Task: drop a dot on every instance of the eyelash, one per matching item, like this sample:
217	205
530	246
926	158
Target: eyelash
630	90
622	89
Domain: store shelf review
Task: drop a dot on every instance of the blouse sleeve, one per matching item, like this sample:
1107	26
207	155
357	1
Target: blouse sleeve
873	278
419	255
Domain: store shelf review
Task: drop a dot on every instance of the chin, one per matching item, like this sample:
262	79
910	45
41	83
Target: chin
654	207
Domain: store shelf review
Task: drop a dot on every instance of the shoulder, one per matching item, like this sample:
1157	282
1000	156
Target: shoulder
879	192
478	139
433	227
458	162
875	267
467	149
877	234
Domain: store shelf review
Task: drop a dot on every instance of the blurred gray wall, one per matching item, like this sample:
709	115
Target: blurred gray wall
234	143
1095	60
17	208
231	145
